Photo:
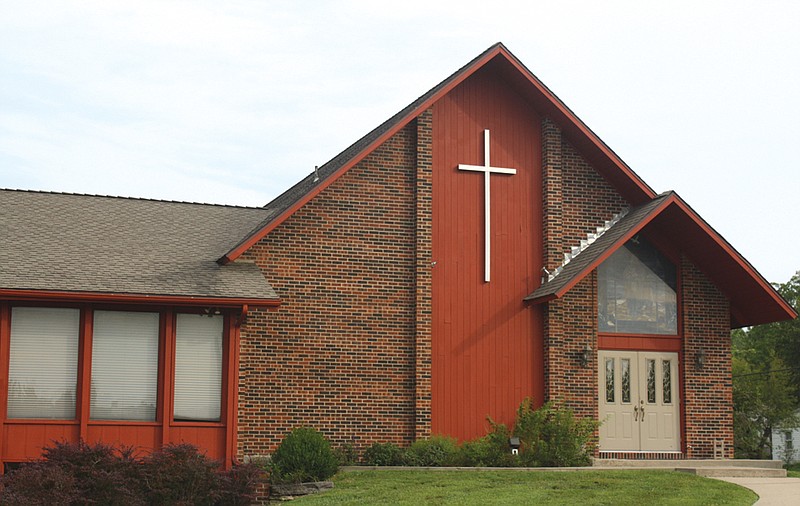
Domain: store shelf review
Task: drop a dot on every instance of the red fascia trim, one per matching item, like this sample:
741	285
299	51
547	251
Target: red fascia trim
739	259
580	125
174	300
239	250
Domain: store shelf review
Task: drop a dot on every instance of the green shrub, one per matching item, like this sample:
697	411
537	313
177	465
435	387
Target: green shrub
491	450
303	455
551	436
438	451
346	455
383	454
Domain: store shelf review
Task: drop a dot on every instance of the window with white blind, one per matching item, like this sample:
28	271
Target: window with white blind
43	366
198	368
124	366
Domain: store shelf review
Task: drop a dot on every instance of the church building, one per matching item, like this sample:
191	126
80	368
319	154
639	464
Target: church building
479	247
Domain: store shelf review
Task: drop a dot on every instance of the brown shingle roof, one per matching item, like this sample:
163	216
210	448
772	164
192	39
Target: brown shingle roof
82	243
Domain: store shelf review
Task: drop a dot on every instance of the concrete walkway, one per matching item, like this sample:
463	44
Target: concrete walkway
771	491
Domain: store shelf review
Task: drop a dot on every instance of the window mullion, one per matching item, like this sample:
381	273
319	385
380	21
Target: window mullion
167	374
82	398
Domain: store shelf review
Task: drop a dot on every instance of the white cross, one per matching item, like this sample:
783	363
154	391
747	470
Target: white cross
487	170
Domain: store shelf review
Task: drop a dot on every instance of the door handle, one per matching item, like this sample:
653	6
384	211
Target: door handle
641	411
635	413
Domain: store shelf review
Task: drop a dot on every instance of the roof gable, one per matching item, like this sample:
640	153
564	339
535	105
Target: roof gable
753	300
497	58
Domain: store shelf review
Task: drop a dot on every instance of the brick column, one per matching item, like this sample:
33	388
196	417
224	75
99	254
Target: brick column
423	278
552	214
708	392
552	192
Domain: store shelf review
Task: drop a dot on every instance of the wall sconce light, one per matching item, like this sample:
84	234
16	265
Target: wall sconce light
513	442
586	356
700	359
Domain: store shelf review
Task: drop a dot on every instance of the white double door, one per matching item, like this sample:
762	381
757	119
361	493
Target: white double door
638	398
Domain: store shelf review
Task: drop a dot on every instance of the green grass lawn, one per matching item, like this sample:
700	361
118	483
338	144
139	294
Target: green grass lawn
581	488
793	471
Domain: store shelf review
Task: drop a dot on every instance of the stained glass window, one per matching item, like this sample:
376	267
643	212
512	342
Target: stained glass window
625	365
667	380
609	380
651	381
636	291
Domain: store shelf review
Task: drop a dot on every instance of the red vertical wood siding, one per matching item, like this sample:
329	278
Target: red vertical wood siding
143	437
24	441
486	342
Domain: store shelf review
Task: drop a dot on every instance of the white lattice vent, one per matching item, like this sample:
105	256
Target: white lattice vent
590	238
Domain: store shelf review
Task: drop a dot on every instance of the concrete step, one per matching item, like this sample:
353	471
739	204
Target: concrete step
734	472
688	463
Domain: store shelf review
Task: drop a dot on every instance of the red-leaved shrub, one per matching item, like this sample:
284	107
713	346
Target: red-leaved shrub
83	474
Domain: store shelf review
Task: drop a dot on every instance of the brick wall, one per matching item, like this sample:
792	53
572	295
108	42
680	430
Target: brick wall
339	354
588	199
708	394
572	323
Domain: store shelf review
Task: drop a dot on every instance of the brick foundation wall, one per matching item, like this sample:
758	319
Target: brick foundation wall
339	354
708	393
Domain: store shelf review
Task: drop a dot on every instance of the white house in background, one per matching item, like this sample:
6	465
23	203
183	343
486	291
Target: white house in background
786	444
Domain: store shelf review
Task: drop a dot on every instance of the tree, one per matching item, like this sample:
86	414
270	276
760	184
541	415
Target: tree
766	379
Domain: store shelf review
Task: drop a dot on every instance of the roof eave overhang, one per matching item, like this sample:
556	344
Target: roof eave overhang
138	299
753	299
618	172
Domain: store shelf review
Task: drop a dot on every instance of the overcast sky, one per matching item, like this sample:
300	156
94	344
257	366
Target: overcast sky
232	102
